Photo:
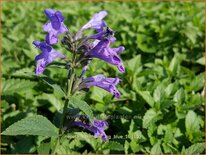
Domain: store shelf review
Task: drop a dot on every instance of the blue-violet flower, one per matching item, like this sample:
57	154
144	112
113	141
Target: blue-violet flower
55	27
97	128
47	56
96	22
108	84
106	53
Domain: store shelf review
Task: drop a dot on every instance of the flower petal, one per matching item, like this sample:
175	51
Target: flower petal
108	84
54	55
41	66
96	22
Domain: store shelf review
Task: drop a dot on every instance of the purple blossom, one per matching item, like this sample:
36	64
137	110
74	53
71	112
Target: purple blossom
106	53
55	27
97	128
96	22
108	84
46	57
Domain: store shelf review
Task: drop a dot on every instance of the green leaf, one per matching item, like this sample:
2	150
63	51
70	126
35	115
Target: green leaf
44	148
112	145
179	96
149	118
52	99
57	89
201	61
175	63
146	96
198	83
134	64
87	137
159	93
134	146
98	94
11	86
83	106
126	147
156	149
191	33
145	43
32	125
191	124
100	107
170	89
195	149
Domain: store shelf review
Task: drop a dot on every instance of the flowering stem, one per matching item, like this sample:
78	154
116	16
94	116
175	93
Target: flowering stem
69	88
70	84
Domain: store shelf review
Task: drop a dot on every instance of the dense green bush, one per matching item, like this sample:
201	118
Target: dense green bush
161	109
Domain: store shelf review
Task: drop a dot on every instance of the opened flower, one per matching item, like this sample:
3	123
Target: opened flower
108	54
108	84
55	26
97	127
96	22
47	56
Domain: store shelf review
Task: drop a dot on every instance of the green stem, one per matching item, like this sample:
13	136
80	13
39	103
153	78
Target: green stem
61	127
70	82
55	147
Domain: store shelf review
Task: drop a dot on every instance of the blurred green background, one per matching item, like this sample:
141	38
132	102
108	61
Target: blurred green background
161	109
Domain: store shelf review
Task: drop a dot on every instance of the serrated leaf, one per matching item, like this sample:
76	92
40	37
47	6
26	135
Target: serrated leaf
191	33
150	117
83	106
159	93
134	146
57	89
88	138
170	89
191	124
179	96
32	125
146	96
198	82
112	145
156	149
195	149
134	64
11	86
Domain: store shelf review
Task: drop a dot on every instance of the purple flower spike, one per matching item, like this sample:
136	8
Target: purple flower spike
108	84
110	55
97	128
46	57
55	27
96	22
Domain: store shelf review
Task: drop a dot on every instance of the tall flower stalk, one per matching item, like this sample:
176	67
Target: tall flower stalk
83	50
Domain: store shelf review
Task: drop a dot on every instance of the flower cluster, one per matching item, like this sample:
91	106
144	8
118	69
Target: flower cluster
84	50
54	27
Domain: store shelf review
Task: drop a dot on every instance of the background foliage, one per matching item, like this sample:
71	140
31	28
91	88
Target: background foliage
162	105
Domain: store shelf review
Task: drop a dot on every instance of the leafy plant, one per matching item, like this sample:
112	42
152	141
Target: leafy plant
161	108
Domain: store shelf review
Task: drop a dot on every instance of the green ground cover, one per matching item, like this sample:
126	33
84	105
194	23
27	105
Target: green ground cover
161	109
